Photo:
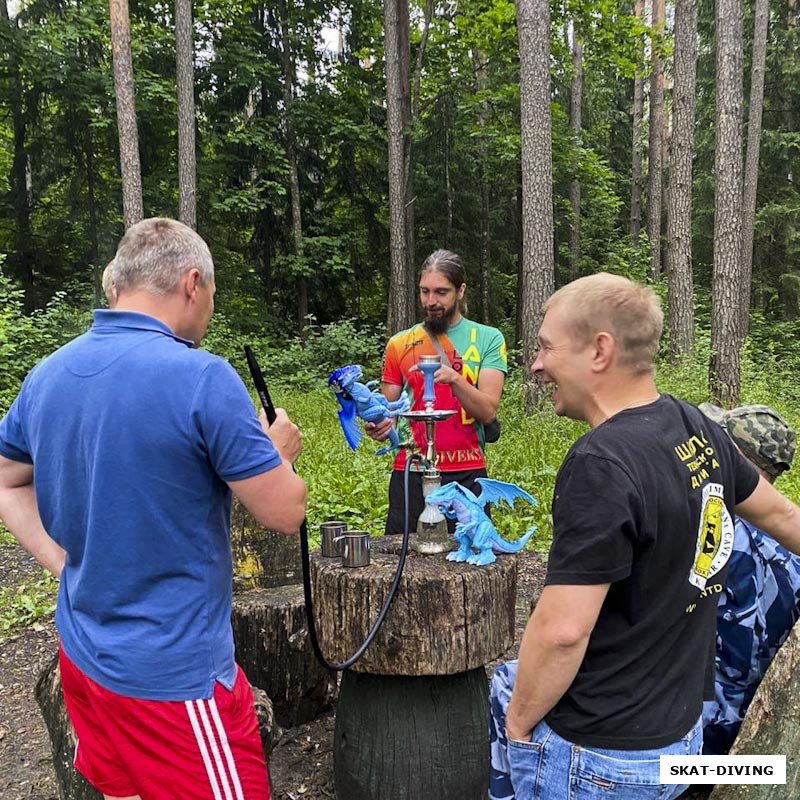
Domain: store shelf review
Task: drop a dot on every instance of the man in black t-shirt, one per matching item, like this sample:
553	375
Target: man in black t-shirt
619	650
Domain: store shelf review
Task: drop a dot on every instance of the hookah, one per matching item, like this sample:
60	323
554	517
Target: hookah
431	532
432	535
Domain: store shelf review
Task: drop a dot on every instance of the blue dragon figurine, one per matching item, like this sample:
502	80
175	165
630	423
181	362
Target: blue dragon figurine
474	529
365	402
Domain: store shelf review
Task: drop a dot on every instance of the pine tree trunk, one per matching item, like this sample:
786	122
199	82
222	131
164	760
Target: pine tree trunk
538	279
679	208
130	168
724	373
480	63
395	14
636	149
750	192
184	61
655	166
20	260
291	157
575	99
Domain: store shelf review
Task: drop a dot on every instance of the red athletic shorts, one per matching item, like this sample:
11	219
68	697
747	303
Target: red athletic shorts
165	750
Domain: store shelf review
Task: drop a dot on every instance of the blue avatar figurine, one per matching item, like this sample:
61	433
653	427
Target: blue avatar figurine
365	402
474	529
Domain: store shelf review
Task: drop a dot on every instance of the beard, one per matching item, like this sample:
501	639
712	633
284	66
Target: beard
439	323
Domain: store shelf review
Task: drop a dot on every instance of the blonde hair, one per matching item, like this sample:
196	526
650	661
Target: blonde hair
630	312
107	282
154	253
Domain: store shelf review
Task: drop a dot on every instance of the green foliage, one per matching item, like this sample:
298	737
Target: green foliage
26	603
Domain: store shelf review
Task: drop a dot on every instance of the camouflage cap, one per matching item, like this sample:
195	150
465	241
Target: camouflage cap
760	433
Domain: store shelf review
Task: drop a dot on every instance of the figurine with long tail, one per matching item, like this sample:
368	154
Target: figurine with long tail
363	400
474	529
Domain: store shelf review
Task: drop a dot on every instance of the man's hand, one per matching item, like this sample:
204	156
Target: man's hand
517	733
379	431
284	434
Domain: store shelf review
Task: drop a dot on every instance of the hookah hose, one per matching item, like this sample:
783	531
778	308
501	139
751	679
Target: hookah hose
269	409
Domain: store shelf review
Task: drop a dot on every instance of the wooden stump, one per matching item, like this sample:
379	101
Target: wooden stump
261	558
412	715
71	784
771	726
274	650
408	738
446	617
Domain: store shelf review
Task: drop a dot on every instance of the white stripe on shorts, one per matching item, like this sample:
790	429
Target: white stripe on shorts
207	742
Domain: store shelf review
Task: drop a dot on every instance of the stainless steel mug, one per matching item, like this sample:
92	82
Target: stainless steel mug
355	548
330	542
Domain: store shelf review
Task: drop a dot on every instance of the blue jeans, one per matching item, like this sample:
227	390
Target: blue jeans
551	768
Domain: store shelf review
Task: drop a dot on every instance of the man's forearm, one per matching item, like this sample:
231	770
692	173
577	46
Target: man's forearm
20	514
477	404
546	670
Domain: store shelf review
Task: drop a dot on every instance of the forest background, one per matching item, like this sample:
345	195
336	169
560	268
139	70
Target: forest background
324	149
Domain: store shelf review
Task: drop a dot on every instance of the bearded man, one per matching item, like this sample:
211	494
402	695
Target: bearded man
469	381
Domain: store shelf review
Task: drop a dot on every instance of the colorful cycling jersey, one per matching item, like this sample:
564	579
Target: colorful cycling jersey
470	347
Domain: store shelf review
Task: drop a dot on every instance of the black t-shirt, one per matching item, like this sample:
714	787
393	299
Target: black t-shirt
645	502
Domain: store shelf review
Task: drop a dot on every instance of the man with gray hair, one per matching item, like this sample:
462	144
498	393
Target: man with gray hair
618	653
760	601
117	463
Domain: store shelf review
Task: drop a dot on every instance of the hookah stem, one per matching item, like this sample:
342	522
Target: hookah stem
269	410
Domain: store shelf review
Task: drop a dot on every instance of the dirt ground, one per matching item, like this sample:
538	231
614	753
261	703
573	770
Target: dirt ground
301	766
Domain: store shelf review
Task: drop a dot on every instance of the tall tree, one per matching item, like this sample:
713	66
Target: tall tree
397	115
575	101
291	156
724	371
184	53
538	279
679	207
126	113
480	60
21	259
759	57
654	162
636	149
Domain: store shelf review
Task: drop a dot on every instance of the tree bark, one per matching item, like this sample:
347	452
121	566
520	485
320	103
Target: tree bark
679	207
771	726
20	261
760	27
480	63
575	124
395	13
636	160
724	372
446	617
184	61
654	165
130	168
287	63
538	278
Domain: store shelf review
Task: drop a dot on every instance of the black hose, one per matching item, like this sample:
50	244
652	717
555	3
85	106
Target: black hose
269	409
312	628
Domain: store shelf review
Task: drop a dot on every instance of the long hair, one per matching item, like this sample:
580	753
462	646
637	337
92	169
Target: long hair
448	264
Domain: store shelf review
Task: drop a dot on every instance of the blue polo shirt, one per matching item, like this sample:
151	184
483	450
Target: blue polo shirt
133	435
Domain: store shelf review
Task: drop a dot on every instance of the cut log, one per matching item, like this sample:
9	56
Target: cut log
411	720
71	784
274	650
408	738
446	617
261	558
771	726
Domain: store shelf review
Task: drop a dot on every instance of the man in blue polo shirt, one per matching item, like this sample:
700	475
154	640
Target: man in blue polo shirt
117	462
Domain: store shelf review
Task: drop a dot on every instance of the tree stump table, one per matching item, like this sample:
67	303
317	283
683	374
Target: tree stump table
412	716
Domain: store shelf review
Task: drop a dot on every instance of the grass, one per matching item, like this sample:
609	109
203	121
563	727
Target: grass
353	486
